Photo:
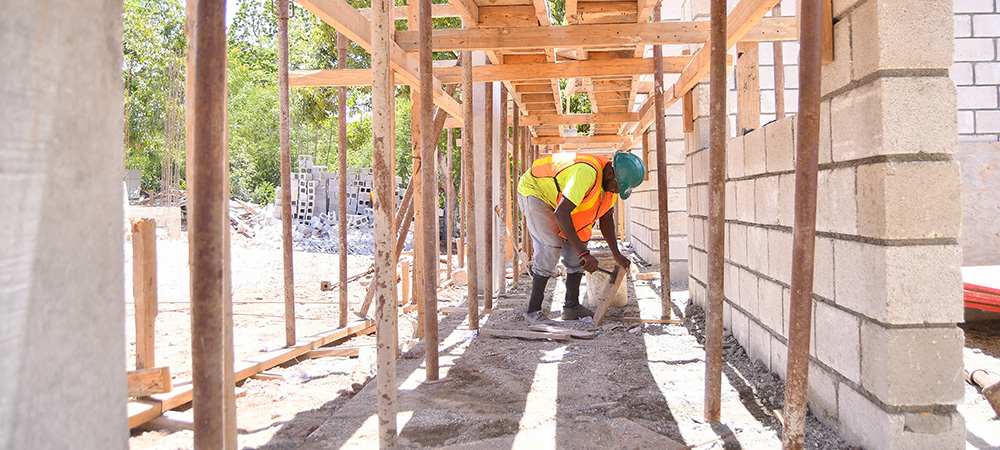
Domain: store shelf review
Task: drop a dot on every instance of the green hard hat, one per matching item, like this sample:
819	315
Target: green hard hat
629	172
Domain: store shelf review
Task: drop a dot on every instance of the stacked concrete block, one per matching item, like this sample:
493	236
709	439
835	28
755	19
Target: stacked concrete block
886	355
976	72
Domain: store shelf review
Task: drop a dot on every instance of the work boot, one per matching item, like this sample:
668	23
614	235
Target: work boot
573	289
537	318
576	312
537	293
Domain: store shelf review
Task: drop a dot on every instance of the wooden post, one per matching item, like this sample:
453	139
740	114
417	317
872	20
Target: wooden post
779	71
487	206
449	212
429	195
504	185
385	192
747	87
526	160
208	226
284	142
404	276
716	212
804	236
661	175
342	178
144	291
471	266
515	177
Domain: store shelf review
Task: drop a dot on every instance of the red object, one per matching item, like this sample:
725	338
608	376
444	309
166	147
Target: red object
982	297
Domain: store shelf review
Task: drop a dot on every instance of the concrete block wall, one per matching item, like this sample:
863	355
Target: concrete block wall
642	225
976	72
886	354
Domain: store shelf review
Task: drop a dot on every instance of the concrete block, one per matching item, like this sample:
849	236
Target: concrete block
741	329
748	291
779	255
839	7
734	158
883	36
823	279
836	201
754	153
757	249
730	202
744	200
987	122
786	199
973	6
780	145
966	122
732	282
676	199
864	423
678	248
837	74
961	74
727	316
737	243
963	25
675	176
899	284
765	200
779	357
675	151
974	49
909	200
912	366
838	340
894	115
986	73
977	97
677	221
822	395
769	306
986	25
759	345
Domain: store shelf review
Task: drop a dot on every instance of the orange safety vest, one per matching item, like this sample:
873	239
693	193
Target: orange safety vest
594	204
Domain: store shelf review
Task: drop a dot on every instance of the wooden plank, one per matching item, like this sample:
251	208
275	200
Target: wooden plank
144	382
827	43
654	321
463	310
522	334
144	291
573	119
342	16
507	16
399	12
688	114
602	13
747	87
617	277
588	36
325	352
568	69
579	334
599	139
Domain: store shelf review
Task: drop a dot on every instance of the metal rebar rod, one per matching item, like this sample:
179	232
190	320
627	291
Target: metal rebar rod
471	263
384	193
449	211
284	142
208	225
804	233
487	206
661	175
716	211
779	71
515	220
342	178
428	179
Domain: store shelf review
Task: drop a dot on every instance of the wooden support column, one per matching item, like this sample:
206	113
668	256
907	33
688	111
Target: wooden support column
526	160
716	211
779	72
462	202
804	234
284	142
342	179
661	174
429	195
515	177
487	206
504	185
449	210
468	133
144	291
208	227
384	194
747	87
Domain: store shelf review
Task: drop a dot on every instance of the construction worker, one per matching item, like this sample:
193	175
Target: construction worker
561	197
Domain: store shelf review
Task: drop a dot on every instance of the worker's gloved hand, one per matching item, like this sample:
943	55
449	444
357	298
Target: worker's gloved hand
589	262
622	261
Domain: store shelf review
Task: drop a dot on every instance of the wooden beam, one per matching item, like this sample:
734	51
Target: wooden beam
614	12
569	69
342	16
569	140
144	291
399	12
521	334
593	36
747	87
574	119
144	382
507	16
325	352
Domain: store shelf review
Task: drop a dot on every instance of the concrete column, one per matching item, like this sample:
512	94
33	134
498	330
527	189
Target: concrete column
62	286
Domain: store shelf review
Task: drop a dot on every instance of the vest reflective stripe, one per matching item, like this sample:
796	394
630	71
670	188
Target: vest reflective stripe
594	205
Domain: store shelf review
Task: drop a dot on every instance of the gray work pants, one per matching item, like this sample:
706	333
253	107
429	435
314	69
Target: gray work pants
544	232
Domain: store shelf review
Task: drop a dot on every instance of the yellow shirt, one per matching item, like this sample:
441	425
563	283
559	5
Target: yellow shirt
575	180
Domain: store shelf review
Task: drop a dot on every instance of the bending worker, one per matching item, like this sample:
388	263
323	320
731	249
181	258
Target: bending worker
561	197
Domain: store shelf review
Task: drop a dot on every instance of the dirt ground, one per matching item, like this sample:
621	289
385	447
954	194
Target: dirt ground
634	386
